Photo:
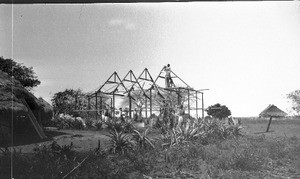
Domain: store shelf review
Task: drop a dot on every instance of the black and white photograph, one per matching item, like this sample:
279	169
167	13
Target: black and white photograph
150	90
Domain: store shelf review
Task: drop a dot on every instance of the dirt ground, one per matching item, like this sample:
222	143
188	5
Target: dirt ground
86	140
83	140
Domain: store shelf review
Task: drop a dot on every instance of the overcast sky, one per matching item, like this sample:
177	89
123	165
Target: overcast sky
246	53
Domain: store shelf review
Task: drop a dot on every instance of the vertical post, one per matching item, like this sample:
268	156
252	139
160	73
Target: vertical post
129	96
202	106
100	108
179	97
146	101
269	124
89	106
111	106
150	102
189	103
197	105
96	106
114	105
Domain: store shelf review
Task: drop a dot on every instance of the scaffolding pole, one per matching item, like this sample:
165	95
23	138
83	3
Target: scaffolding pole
189	104
113	105
96	106
129	96
202	106
150	101
197	105
146	101
100	108
89	106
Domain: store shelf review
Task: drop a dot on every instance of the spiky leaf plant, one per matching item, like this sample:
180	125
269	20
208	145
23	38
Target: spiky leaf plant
120	142
142	139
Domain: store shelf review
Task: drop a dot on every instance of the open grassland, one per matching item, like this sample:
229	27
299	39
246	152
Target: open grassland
282	127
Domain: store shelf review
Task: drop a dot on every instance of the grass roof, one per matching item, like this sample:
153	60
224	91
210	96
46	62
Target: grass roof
11	91
272	111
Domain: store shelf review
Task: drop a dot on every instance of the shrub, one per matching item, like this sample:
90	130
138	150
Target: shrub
142	139
120	142
118	125
89	123
50	161
65	121
98	125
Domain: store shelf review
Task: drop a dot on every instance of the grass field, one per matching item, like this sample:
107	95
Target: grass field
85	140
278	127
257	154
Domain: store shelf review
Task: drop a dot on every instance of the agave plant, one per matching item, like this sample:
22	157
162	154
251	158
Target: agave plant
219	129
190	132
63	152
120	142
142	139
128	127
169	138
234	130
114	125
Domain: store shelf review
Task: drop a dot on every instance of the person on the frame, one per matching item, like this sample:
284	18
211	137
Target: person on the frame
168	78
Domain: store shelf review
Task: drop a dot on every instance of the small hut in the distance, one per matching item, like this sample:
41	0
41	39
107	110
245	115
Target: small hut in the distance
272	111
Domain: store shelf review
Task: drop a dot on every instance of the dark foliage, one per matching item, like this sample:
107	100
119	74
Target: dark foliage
295	98
218	111
24	74
65	102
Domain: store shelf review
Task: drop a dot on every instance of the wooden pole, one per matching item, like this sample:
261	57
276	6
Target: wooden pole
189	103
89	106
178	97
197	105
111	106
202	106
96	106
129	96
100	108
146	101
114	105
150	102
269	124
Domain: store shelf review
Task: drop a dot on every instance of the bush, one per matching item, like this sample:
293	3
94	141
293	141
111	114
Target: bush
98	125
65	121
50	161
89	123
119	126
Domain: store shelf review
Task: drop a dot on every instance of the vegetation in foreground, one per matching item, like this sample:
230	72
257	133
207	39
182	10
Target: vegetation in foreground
193	151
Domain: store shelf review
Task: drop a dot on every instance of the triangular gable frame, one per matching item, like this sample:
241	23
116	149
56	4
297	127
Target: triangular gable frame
173	75
133	80
113	79
146	76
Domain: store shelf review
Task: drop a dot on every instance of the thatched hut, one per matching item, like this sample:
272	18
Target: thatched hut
272	111
13	110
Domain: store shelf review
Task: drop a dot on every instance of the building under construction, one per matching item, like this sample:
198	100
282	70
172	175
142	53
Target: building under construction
167	90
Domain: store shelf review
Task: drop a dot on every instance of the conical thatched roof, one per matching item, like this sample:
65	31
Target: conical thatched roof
272	111
11	91
13	110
